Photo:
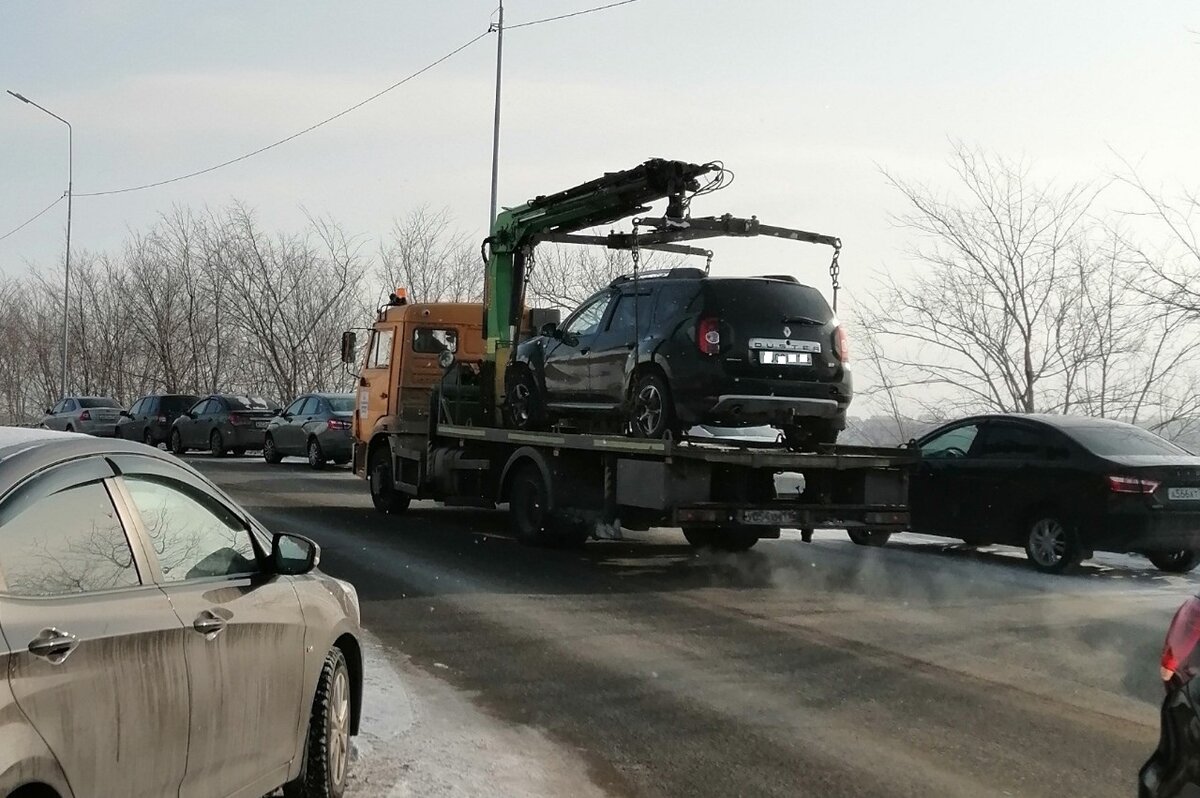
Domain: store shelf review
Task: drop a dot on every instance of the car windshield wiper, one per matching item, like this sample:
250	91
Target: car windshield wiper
802	320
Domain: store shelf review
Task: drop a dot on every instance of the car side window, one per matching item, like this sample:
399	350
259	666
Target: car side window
311	405
1002	441
951	444
294	408
380	355
586	320
137	407
672	301
628	311
71	541
193	536
68	405
198	408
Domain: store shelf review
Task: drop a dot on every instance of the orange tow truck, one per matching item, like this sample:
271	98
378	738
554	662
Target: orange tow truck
429	414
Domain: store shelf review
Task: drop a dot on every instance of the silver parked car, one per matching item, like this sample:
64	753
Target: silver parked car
95	415
316	426
156	640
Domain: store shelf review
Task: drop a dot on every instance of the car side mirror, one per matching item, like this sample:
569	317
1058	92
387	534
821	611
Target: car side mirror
550	330
292	555
48	412
125	413
278	411
568	338
349	346
190	414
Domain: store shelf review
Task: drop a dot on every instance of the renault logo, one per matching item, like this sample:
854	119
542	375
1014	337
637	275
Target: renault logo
787	332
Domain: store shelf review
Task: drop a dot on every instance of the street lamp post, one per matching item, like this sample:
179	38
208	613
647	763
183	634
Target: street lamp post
67	270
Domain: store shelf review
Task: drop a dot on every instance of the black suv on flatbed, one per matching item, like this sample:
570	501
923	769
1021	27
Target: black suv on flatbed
672	349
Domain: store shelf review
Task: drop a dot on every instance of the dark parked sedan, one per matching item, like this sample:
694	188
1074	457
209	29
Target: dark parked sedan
1062	487
316	426
222	423
156	640
149	419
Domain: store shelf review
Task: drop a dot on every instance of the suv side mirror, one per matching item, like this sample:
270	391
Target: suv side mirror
49	412
550	330
349	345
292	555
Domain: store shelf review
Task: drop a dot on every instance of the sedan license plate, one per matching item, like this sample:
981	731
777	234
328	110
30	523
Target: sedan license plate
785	358
261	424
1183	494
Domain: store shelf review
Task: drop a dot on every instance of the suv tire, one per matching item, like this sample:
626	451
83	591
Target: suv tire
523	405
327	744
651	408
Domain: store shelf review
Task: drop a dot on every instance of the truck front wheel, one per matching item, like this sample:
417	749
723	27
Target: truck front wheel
384	495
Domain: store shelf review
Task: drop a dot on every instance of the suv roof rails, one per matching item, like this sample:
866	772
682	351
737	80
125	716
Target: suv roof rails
658	274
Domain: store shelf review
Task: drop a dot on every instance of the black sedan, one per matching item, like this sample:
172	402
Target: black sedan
1062	487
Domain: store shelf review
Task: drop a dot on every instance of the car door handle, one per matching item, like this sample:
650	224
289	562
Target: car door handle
208	623
584	350
630	345
53	644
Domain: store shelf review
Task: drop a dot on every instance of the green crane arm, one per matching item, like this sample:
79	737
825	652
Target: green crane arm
606	199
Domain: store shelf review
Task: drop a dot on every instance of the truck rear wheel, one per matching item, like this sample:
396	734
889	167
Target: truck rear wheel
720	539
384	495
529	512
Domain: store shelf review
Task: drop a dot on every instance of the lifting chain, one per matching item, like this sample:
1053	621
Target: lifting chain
633	251
708	261
835	270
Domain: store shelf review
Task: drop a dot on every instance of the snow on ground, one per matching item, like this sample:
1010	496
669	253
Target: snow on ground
422	737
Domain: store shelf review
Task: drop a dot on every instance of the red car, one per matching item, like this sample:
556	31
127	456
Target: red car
1175	764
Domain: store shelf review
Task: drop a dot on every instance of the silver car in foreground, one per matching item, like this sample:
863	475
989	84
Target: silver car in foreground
155	640
94	415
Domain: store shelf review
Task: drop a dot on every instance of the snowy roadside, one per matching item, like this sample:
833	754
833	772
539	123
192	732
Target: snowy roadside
422	737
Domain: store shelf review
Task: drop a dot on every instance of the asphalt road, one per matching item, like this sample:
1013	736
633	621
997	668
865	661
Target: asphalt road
822	669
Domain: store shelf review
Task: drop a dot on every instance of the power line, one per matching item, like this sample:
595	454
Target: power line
34	218
294	136
567	16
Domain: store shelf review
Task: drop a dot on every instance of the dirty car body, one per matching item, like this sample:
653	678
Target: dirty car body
155	639
92	415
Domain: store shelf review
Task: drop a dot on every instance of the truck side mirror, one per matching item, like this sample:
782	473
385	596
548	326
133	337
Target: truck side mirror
349	345
550	330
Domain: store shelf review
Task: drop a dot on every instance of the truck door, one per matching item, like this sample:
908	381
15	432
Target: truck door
375	386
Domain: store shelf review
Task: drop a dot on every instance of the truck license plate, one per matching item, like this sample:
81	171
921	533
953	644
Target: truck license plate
770	517
1183	494
785	358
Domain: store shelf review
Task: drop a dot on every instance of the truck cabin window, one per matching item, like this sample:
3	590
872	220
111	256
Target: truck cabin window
434	341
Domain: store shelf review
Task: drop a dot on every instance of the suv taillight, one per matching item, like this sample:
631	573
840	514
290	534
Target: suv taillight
1132	485
1179	649
86	415
841	345
235	419
337	423
708	336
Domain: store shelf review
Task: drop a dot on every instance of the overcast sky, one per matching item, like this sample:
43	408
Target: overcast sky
803	100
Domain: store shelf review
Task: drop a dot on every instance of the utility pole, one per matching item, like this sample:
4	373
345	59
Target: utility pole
499	28
67	269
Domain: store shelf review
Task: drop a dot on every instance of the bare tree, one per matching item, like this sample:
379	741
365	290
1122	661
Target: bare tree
430	259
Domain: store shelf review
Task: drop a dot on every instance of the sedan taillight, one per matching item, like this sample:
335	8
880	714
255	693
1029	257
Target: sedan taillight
708	336
235	419
1179	650
86	415
161	419
337	423
1132	485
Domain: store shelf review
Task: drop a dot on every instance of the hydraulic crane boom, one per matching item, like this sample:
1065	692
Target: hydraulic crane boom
517	230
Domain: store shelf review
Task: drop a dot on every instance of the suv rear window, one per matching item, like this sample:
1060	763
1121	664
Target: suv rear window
774	301
93	401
